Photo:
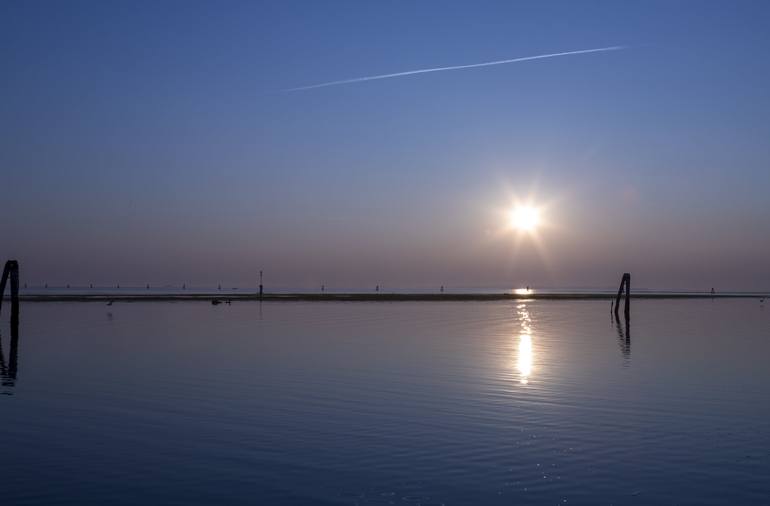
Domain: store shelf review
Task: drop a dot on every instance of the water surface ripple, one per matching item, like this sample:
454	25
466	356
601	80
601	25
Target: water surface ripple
515	402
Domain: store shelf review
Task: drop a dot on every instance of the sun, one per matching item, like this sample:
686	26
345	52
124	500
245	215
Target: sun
525	218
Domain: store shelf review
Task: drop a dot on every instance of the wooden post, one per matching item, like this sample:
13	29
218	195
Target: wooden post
9	371
14	292
624	338
11	270
4	279
260	285
13	360
625	282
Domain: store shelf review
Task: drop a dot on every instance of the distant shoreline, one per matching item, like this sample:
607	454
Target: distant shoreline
374	297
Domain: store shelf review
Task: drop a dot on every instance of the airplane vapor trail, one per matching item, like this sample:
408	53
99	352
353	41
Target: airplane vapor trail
454	67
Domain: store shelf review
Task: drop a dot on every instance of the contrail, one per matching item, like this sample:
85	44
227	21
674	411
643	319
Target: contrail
455	67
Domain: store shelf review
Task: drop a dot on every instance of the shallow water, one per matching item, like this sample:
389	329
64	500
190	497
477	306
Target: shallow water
543	402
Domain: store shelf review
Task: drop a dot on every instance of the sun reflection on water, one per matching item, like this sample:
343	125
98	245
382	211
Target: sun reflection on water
525	357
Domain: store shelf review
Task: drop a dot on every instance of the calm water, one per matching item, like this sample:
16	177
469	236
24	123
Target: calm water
455	403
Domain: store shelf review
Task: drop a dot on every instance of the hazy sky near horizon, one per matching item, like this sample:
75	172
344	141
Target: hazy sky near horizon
152	142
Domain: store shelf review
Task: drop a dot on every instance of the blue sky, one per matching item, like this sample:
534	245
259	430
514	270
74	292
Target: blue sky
152	142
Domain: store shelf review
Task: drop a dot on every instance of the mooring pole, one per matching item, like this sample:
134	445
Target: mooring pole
625	283
627	309
13	360
9	371
624	338
11	270
4	279
14	291
260	285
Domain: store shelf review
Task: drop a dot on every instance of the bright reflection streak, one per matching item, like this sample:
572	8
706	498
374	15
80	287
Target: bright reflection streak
522	291
524	364
526	357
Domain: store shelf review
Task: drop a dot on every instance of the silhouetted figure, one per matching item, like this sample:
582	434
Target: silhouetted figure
68	285
323	287
148	286
442	288
92	285
118	285
377	288
712	291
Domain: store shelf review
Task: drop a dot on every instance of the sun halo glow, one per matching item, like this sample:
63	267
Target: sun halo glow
525	218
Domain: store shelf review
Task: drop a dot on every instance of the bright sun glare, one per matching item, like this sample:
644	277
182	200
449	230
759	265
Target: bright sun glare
525	218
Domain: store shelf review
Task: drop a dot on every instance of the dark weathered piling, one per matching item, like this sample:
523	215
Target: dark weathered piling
13	359
624	337
3	281
260	285
625	283
9	371
11	270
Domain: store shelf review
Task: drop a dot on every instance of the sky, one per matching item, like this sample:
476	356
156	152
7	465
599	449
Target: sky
156	142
